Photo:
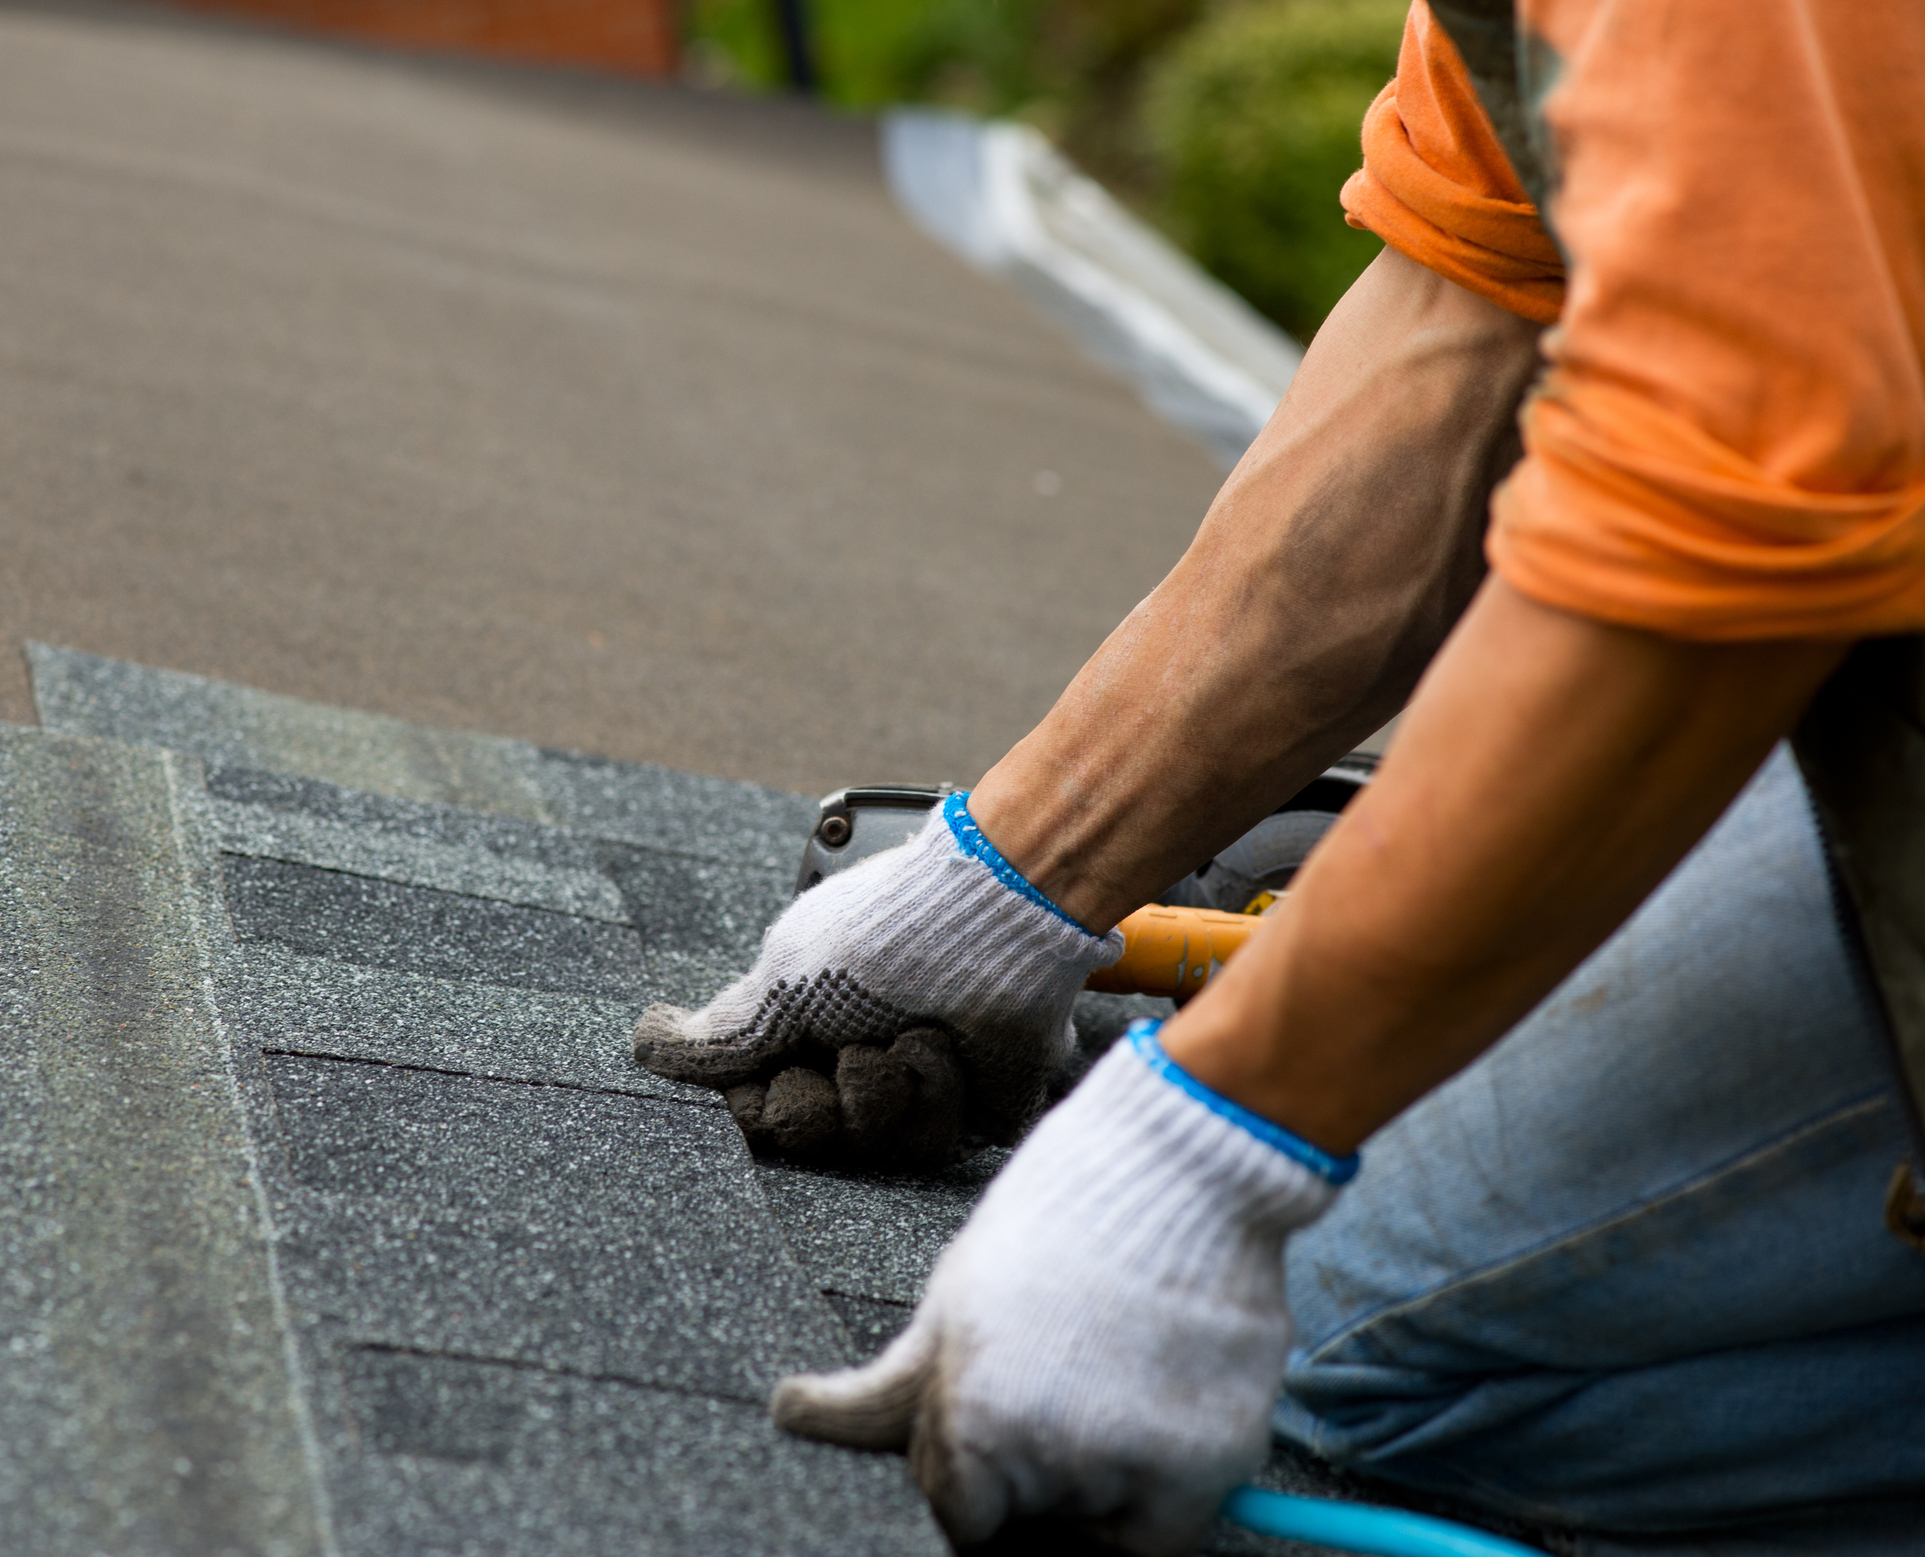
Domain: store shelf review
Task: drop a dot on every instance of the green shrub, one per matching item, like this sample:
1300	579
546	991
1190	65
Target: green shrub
974	54
978	55
731	43
1063	58
1255	121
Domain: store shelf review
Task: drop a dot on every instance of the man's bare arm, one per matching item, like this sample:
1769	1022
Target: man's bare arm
1334	561
1550	771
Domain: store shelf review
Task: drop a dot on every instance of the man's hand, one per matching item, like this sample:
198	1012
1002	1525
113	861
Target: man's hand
903	1012
1106	1335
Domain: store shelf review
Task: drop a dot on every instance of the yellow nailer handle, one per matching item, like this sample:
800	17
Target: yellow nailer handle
1173	951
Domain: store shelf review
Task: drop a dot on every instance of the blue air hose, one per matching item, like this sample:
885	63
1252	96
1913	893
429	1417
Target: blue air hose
1357	1527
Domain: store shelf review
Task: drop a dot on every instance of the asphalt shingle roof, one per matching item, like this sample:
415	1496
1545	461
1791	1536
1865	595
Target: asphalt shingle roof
334	1214
362	1081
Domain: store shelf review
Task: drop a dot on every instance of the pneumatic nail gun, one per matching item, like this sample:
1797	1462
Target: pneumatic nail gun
1171	946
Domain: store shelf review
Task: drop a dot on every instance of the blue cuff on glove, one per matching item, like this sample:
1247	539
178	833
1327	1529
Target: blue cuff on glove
969	838
1142	1036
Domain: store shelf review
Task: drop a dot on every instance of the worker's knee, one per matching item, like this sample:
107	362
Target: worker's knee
1747	1433
1680	1158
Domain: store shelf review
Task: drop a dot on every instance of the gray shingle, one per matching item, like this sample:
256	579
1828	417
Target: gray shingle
232	726
684	901
686	813
289	794
691	907
587	1231
870	1236
277	999
423	930
470	1456
872	1323
700	920
415	855
147	1404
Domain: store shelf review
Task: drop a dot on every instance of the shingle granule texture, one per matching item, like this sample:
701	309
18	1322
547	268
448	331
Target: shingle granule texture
330	1178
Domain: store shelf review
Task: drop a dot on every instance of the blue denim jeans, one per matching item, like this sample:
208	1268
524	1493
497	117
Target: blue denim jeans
1629	1273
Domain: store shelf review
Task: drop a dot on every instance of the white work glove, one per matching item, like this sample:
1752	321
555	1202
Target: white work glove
1106	1335
906	1011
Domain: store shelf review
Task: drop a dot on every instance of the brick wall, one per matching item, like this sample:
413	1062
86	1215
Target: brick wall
634	37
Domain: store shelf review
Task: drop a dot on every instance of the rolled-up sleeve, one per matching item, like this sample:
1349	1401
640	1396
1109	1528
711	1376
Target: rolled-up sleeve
1729	440
1730	443
1437	186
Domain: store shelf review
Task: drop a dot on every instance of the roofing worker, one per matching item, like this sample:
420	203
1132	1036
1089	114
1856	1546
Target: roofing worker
1629	1271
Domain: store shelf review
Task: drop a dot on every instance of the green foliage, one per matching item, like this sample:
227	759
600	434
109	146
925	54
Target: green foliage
731	43
988	56
1255	120
979	55
870	53
1231	123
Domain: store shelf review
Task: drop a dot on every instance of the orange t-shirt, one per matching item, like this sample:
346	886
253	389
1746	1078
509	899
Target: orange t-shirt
1729	442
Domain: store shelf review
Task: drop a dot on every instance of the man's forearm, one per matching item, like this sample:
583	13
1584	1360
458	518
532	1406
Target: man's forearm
1549	773
1334	561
